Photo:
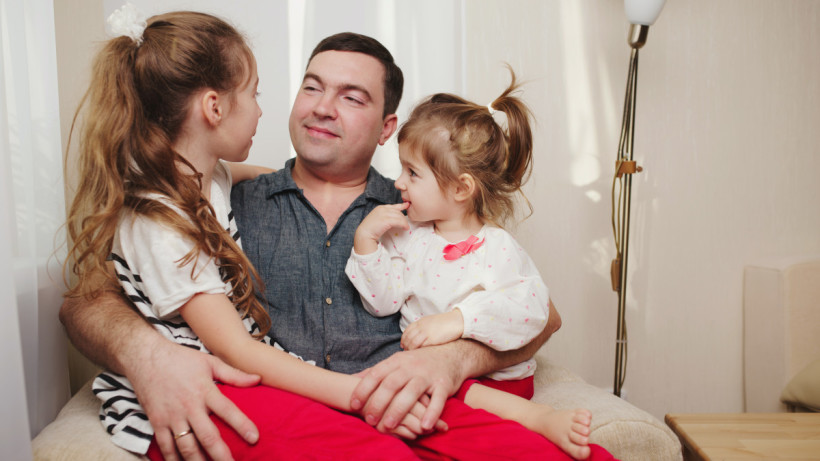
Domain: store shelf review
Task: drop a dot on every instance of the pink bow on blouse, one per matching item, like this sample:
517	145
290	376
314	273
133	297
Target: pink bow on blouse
457	250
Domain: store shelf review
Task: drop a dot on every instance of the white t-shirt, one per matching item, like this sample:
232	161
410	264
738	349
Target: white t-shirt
146	257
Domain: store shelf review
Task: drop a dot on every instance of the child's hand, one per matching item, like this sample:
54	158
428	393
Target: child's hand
410	427
243	171
374	225
431	330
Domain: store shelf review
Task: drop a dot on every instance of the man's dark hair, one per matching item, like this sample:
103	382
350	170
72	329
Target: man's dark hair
349	41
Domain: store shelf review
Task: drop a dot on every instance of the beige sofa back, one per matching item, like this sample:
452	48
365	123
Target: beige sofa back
781	309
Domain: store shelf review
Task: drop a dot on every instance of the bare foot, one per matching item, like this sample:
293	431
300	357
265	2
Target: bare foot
569	429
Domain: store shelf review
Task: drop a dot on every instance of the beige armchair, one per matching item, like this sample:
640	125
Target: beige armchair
626	431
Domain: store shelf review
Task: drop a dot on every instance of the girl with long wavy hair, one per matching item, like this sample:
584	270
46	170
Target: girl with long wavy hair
171	101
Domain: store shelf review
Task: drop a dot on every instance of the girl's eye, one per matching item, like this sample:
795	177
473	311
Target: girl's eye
257	94
411	172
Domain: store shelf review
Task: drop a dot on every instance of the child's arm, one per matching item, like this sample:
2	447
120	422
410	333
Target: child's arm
503	320
374	225
243	171
370	268
509	316
372	276
214	319
433	329
509	310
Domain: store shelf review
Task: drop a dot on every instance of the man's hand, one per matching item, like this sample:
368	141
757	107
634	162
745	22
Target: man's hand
175	386
389	390
173	383
432	330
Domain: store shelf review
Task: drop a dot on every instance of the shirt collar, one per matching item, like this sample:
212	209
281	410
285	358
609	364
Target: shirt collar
282	182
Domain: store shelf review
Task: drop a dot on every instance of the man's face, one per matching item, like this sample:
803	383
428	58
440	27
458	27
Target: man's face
336	118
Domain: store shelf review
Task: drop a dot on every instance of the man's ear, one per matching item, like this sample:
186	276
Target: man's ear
211	107
465	187
388	128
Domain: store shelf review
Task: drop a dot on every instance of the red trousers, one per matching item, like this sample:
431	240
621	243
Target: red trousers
524	388
292	427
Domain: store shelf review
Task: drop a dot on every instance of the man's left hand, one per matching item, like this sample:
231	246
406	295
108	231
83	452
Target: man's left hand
390	389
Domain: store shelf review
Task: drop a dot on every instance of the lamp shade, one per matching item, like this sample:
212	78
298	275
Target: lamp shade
643	12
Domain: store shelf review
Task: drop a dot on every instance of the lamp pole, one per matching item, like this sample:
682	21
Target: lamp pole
625	167
641	15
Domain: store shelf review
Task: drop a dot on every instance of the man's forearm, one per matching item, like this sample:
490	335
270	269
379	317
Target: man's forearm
106	329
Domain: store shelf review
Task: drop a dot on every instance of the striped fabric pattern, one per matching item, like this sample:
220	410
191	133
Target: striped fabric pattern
121	414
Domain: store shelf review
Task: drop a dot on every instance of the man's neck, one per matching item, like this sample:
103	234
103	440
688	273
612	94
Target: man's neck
330	193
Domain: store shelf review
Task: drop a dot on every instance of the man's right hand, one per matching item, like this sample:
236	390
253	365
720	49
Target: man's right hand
175	386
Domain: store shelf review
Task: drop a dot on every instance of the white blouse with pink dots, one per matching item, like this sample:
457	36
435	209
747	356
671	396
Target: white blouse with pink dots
502	298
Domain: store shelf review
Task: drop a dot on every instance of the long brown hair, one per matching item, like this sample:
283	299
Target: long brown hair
456	136
132	114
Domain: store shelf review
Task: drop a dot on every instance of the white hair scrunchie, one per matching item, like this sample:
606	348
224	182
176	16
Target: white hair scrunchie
490	108
127	21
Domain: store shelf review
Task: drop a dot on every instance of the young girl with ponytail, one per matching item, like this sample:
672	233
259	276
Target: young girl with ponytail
450	268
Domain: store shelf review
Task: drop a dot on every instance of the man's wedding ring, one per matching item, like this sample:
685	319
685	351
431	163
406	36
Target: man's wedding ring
182	434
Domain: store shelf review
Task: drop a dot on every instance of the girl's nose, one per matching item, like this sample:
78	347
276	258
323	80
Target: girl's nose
399	183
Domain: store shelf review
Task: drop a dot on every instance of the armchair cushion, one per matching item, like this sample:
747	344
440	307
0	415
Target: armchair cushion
625	430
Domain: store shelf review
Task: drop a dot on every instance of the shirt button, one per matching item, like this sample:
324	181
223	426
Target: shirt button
327	358
327	244
328	301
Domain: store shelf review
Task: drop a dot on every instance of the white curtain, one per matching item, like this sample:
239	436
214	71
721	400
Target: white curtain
32	211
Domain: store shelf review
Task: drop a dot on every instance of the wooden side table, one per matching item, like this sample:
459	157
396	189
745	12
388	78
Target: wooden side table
748	436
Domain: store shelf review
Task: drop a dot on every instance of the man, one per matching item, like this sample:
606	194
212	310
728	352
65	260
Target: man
297	228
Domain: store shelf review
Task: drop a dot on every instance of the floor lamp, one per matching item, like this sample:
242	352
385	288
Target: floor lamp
641	15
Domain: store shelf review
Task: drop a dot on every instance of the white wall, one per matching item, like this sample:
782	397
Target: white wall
728	133
727	130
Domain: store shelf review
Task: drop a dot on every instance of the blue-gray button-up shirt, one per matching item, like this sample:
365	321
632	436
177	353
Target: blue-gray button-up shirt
315	310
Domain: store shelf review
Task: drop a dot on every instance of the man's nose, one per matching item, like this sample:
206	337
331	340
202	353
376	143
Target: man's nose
326	106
